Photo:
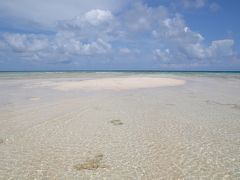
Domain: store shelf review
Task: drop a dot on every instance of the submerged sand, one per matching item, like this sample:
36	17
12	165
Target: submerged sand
118	83
147	127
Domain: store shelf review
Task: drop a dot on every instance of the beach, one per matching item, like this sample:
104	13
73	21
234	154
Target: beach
119	125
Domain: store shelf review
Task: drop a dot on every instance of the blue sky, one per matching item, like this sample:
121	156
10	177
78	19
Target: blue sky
120	34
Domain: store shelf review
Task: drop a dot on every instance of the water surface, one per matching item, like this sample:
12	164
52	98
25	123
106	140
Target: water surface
190	131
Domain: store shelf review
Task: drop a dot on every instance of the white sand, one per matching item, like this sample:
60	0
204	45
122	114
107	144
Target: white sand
118	83
185	132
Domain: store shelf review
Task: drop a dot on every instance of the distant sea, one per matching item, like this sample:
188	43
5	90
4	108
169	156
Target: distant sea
84	73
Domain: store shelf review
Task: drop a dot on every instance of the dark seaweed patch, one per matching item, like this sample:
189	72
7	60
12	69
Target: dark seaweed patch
91	164
116	122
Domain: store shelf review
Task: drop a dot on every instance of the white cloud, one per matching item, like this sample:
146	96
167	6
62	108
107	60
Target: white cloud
175	29
2	45
97	16
193	3
89	26
221	48
64	45
23	43
84	35
142	18
124	50
48	12
155	32
162	55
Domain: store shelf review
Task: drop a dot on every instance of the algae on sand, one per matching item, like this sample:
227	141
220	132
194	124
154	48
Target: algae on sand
116	122
91	164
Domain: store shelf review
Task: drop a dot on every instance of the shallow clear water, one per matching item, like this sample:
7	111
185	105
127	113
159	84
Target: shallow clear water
190	131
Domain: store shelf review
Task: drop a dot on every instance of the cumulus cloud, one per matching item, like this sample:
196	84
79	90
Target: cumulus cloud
124	50
175	29
72	46
48	12
153	31
58	46
221	48
93	18
193	3
98	16
162	55
82	35
23	42
143	18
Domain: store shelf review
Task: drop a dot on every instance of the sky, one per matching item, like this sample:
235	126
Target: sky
119	35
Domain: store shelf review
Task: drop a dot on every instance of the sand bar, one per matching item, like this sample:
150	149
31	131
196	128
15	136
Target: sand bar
118	83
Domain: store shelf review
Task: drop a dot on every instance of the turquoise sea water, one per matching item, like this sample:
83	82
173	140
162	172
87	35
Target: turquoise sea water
79	74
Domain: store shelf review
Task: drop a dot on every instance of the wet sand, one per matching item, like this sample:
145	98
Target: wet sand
166	127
